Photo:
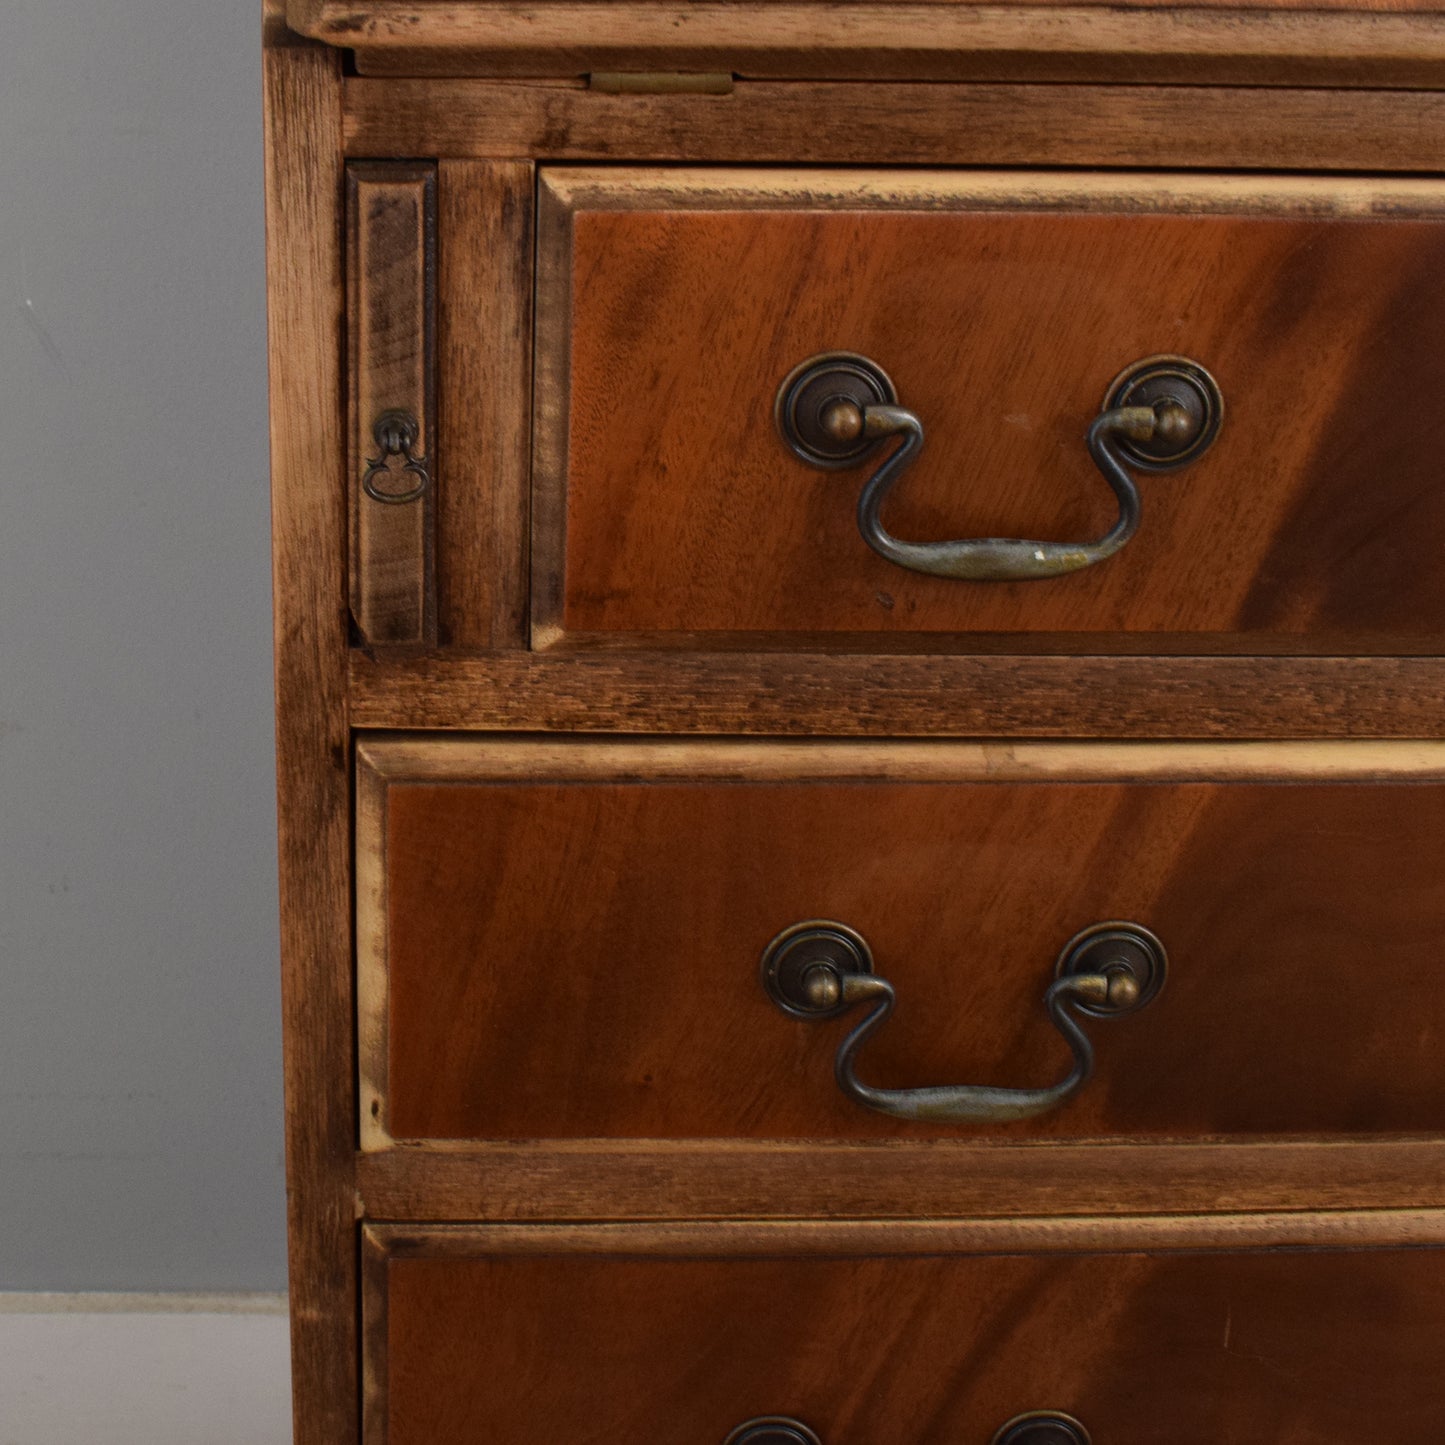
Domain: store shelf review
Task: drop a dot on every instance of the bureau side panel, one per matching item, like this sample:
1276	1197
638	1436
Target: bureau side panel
305	304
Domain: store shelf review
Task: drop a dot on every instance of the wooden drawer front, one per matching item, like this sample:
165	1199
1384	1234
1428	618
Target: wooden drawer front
672	305
563	939
481	1336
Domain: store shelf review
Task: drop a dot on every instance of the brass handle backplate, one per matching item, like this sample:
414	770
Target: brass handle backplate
820	969
772	1430
1042	1427
1158	414
1038	1427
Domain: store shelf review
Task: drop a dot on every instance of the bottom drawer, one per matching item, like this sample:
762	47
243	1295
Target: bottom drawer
896	1335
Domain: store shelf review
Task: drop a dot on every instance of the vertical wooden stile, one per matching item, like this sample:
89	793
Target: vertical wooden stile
391	248
484	303
305	310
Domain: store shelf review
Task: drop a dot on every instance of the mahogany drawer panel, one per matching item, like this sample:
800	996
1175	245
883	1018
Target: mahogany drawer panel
562	940
671	305
609	1337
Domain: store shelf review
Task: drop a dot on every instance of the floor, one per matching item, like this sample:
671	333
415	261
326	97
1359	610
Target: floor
144	1370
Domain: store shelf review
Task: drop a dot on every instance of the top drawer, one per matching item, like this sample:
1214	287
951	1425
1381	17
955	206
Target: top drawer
672	306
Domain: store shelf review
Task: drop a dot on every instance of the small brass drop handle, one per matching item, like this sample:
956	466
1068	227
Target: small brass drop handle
396	434
820	969
1159	414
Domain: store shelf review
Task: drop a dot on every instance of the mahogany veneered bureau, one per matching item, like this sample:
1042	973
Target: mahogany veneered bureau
861	720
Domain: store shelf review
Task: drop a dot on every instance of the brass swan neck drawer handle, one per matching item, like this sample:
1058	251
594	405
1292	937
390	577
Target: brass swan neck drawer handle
820	969
1159	414
1038	1427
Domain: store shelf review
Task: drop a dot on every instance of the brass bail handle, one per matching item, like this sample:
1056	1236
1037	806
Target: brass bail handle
821	969
1159	414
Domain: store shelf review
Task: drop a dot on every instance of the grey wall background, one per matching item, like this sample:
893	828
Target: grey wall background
140	1096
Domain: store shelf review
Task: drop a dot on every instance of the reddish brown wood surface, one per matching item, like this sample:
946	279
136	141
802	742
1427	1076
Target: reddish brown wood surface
1294	42
890	696
574	1002
1002	327
391	236
579	959
1160	126
1293	1349
485	342
308	455
678	1179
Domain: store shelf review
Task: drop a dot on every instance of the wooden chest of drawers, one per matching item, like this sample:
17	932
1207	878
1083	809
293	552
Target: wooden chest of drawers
860	705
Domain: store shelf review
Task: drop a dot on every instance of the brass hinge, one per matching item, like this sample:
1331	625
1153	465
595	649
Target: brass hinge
665	82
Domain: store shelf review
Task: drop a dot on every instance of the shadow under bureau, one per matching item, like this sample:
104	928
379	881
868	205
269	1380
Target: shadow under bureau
860	701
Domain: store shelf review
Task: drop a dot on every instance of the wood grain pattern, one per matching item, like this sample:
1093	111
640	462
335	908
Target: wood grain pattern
678	1179
502	900
1397	42
485	300
1169	127
891	1288
860	696
308	454
429	758
669	504
391	235
370	870
896	1239
677	1346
